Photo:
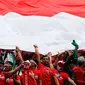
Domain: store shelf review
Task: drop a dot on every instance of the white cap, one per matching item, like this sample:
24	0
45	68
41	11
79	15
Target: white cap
61	61
27	61
33	62
81	58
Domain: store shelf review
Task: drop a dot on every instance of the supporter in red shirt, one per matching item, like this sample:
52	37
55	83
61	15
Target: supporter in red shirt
36	72
2	76
9	80
47	73
27	77
29	74
80	73
62	76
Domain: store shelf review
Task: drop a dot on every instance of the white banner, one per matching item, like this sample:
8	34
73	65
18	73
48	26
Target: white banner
51	34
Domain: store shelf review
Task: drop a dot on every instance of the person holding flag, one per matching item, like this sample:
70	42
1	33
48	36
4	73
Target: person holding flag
48	78
30	74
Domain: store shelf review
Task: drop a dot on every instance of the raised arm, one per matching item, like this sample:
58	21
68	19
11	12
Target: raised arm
37	53
50	62
52	67
19	67
19	54
10	73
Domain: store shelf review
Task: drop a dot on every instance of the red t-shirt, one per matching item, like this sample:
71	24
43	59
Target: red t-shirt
79	75
26	78
2	78
9	81
47	75
17	77
63	76
37	76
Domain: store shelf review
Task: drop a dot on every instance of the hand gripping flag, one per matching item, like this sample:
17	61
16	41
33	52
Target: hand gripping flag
75	50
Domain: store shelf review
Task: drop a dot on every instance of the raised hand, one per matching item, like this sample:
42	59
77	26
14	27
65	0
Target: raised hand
19	53
37	53
17	48
50	56
35	46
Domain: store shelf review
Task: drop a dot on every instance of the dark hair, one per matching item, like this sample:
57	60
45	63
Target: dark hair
36	60
9	62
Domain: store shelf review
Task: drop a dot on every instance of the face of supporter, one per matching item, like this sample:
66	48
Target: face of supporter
7	67
60	67
61	57
33	66
26	66
1	67
45	61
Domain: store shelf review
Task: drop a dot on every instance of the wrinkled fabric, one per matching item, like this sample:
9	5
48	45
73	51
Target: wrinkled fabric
43	7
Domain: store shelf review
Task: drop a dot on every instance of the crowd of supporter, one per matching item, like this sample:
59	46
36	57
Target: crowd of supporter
66	68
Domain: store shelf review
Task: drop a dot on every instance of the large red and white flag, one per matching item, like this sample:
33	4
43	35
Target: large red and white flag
51	24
